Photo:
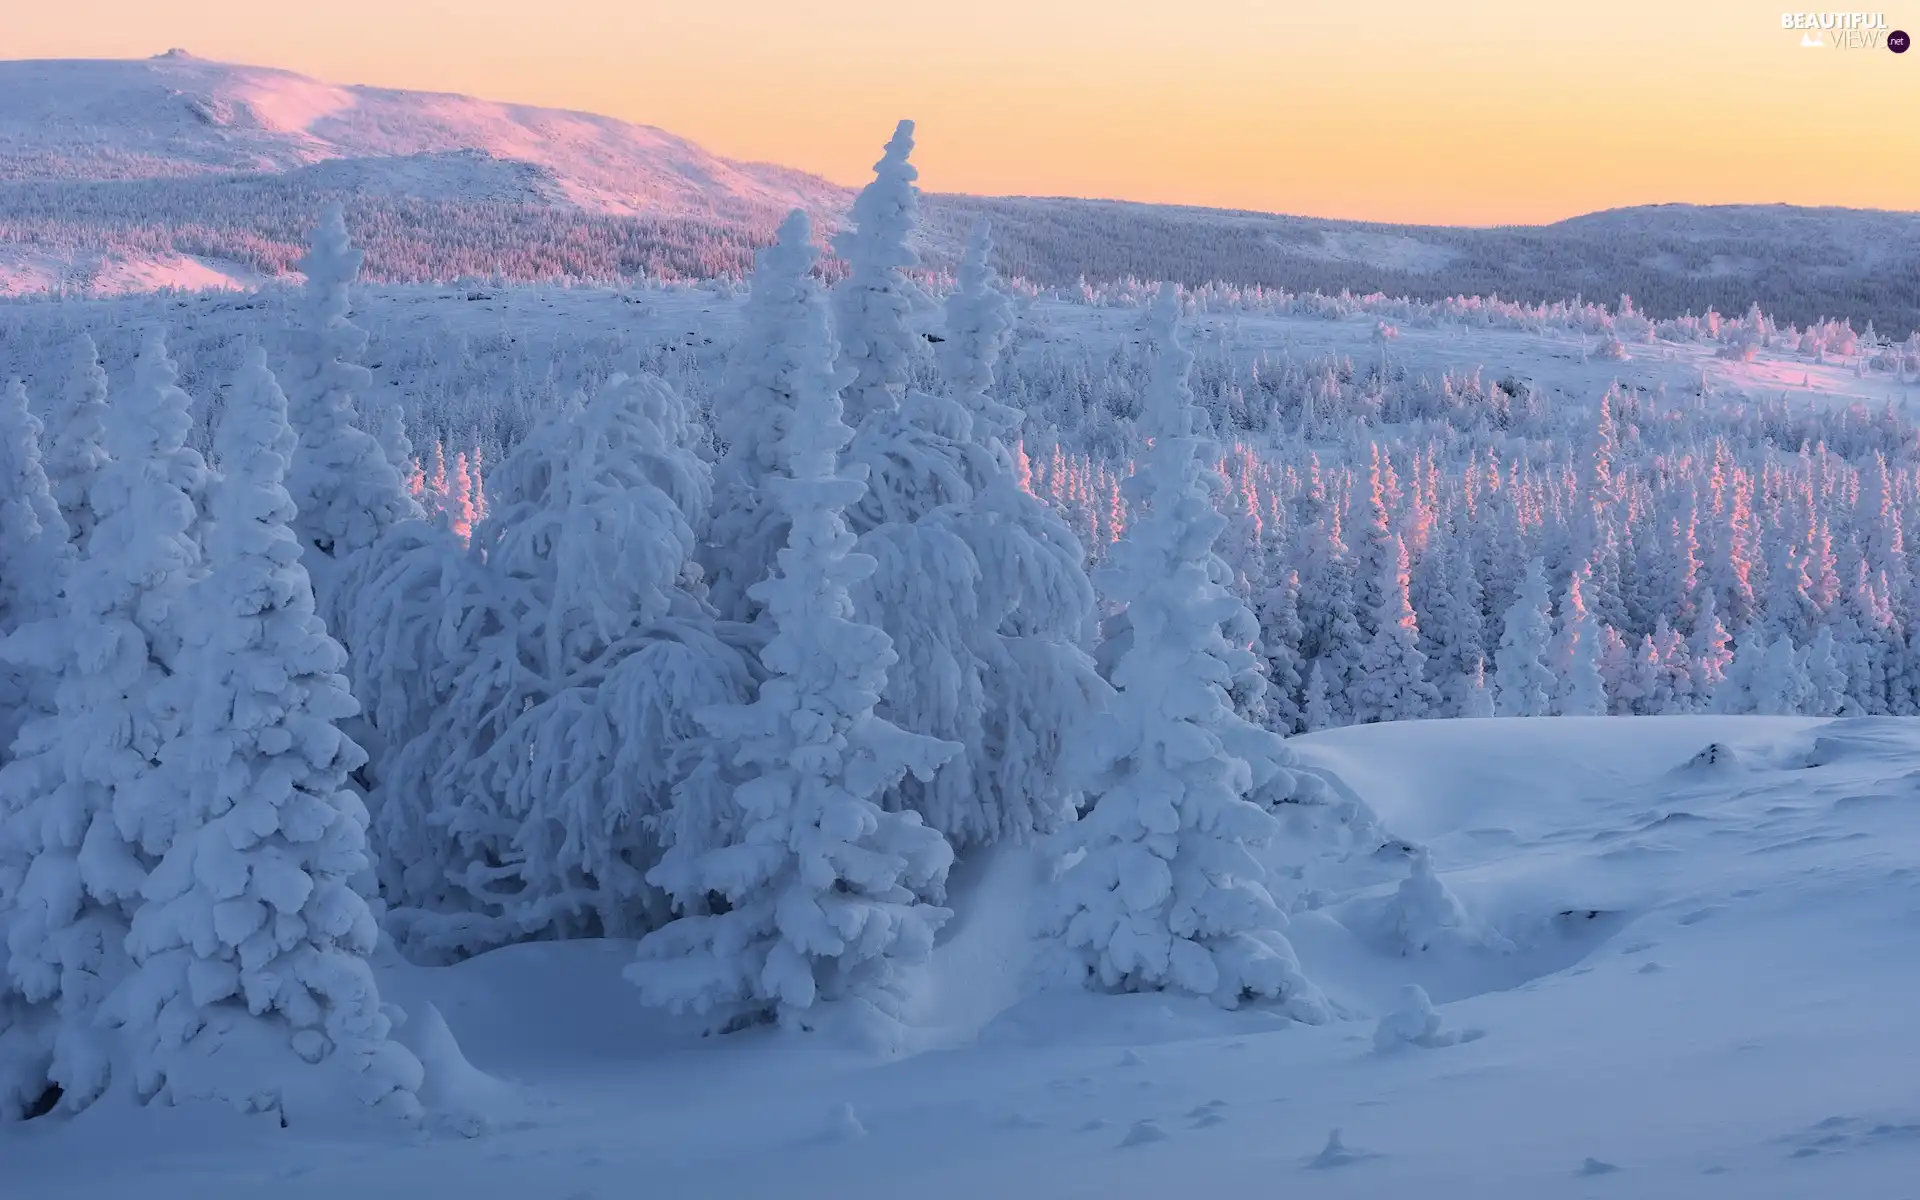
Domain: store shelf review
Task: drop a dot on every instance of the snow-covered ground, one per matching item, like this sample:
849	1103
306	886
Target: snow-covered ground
514	337
1678	963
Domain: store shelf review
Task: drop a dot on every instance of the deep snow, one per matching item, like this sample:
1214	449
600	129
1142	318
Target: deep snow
1677	961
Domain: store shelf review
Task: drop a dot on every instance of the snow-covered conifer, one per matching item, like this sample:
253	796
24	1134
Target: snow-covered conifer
873	302
751	412
979	323
1166	892
1316	709
1826	677
75	448
1524	684
982	590
1777	685
1576	654
251	944
1475	695
1394	683
826	894
70	876
1281	634
1710	658
346	492
35	555
571	658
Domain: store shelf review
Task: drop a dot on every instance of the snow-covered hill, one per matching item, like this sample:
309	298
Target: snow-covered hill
1678	967
113	172
177	115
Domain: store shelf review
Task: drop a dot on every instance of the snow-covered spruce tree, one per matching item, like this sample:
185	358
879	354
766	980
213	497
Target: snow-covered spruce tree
982	590
75	448
346	492
1451	627
872	304
251	983
1316	709
1826	677
1710	660
1034	604
536	797
826	894
34	556
72	876
979	325
1281	634
1778	684
1523	683
750	416
1394	683
1165	891
1575	654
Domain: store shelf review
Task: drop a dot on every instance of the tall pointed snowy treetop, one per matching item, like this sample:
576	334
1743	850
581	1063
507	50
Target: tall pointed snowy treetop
785	315
873	302
149	493
979	324
346	491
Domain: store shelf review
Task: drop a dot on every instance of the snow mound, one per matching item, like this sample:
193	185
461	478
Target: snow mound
454	1093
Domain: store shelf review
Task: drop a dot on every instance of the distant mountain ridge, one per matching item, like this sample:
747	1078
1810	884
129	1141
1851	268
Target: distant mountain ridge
178	171
180	116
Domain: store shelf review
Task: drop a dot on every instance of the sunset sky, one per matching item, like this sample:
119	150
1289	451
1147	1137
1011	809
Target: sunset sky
1402	110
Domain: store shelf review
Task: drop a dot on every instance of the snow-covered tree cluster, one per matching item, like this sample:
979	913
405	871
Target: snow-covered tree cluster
472	636
1646	554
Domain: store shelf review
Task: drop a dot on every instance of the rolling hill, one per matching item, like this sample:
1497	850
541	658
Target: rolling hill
120	175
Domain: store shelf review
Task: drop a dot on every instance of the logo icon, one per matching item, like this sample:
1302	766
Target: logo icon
1898	41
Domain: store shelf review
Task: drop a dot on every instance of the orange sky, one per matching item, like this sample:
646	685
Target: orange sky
1518	110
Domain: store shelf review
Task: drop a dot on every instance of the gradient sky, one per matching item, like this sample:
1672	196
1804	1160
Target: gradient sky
1400	110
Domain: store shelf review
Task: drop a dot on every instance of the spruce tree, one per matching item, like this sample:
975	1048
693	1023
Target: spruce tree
826	895
250	943
1165	891
71	873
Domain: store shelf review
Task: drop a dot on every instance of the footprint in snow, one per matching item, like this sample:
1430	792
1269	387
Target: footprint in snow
1132	1059
1594	1166
1142	1133
1700	914
1096	1123
1021	1120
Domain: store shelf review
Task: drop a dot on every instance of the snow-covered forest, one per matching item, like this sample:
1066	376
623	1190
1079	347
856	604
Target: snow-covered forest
349	633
